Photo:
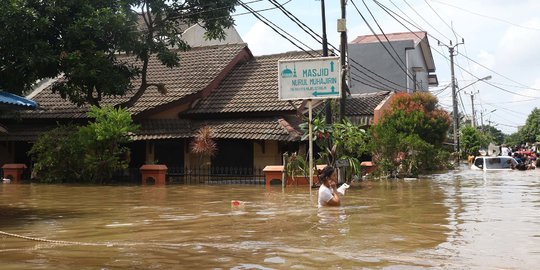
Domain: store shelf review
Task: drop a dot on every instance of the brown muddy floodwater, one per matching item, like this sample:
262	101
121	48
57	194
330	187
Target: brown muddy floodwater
457	220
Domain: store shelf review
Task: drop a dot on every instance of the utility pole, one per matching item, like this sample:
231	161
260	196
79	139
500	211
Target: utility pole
342	28
472	93
455	112
328	107
482	119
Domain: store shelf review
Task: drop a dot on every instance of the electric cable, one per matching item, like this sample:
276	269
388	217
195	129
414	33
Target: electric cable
372	31
387	10
259	16
369	84
380	28
489	17
318	38
369	76
436	13
427	22
366	82
307	29
297	21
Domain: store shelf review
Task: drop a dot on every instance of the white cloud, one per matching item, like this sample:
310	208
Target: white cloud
486	59
519	45
528	95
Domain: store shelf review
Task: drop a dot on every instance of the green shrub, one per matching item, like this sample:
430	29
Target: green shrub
58	156
91	153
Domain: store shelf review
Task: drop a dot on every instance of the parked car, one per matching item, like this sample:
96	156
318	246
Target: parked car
494	163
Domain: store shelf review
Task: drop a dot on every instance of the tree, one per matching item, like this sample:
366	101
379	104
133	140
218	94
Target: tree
83	40
496	134
513	139
410	135
472	140
530	132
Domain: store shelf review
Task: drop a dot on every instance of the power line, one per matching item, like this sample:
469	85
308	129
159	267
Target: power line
387	10
370	77
384	34
436	13
377	36
486	16
268	22
297	21
496	72
368	84
516	86
515	101
405	14
308	30
450	27
367	75
318	38
419	15
259	10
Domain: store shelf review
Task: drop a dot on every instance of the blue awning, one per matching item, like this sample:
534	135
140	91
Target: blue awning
9	101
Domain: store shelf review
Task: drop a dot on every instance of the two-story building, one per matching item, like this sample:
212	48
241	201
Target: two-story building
399	62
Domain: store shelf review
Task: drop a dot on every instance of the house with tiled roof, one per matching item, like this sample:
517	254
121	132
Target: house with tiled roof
200	71
400	62
223	87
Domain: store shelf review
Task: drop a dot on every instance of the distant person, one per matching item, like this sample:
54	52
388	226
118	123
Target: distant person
505	151
328	194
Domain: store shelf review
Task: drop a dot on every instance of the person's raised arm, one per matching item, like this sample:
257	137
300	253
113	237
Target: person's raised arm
335	201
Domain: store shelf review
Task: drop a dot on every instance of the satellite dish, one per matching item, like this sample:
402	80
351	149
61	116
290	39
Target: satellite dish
494	150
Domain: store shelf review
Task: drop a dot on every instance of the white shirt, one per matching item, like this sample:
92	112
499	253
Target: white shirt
325	195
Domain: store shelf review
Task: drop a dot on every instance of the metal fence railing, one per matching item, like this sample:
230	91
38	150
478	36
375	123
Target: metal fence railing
215	175
190	175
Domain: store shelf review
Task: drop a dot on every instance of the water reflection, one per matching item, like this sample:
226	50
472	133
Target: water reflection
455	220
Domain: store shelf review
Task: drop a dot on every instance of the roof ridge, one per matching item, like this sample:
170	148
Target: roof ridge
197	48
289	53
394	33
42	85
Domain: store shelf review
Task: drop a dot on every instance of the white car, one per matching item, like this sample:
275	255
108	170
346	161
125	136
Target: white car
494	163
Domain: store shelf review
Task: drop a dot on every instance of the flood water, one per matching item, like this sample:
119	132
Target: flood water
457	220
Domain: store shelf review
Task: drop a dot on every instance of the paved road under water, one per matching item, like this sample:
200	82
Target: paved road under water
457	220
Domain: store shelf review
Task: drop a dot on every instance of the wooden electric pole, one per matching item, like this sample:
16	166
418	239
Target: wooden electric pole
328	107
342	28
455	112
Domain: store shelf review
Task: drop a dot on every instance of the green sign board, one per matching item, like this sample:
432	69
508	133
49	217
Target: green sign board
311	78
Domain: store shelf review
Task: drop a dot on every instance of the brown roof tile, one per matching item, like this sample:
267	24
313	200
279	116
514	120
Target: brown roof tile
24	132
270	128
360	108
250	87
364	104
198	67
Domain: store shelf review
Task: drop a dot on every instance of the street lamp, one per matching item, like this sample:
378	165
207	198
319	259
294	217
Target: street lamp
482	118
481	79
472	97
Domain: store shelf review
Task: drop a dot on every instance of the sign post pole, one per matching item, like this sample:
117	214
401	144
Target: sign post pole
308	79
310	145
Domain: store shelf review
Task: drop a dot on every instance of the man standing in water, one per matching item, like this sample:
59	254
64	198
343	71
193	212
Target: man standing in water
328	194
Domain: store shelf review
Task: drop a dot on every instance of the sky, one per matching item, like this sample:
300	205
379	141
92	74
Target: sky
501	40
